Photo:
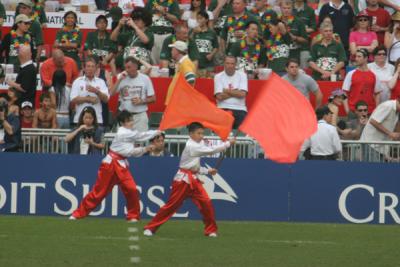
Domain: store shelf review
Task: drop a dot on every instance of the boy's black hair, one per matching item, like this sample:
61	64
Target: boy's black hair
124	116
43	96
194	126
204	14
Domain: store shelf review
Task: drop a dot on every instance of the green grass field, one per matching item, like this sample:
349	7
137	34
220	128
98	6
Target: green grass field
56	241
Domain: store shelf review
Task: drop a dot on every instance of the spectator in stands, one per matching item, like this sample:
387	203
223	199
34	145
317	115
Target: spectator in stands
234	27
12	42
58	62
362	37
383	71
318	38
325	143
277	47
165	14
26	80
361	84
60	98
184	65
137	40
181	34
13	101
342	16
86	138
45	117
221	9
3	17
159	149
26	117
356	125
327	56
249	51
380	19
135	93
35	30
128	6
264	13
392	39
88	90
336	99
392	6
39	13
69	38
10	129
296	30
107	76
304	83
206	41
98	43
230	90
190	16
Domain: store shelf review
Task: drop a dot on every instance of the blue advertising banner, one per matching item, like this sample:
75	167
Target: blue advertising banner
308	191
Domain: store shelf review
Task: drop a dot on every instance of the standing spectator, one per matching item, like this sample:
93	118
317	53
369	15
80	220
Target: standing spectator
327	56
39	13
342	16
362	37
165	14
190	16
249	51
10	129
89	90
230	90
86	138
58	62
206	41
264	13
45	117
221	9
60	98
184	64
135	93
159	149
361	84
304	83
383	72
325	143
69	38
392	39
380	19
181	34
26	79
26	114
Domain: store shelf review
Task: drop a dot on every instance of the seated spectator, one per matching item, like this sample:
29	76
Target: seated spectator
249	51
190	16
380	19
159	149
45	117
58	62
60	98
86	138
328	56
10	129
361	84
206	41
13	100
335	100
356	125
383	71
230	90
26	117
318	38
392	38
362	37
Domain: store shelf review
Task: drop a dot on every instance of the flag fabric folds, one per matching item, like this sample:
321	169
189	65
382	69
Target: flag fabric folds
281	119
187	105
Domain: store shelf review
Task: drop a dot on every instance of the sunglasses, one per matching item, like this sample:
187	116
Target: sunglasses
362	110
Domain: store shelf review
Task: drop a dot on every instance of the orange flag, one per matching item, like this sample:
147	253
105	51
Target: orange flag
280	120
188	105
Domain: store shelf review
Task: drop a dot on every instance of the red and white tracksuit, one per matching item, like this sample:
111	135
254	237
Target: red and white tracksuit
114	169
187	185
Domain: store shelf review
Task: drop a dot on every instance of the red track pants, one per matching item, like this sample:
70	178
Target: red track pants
180	191
108	176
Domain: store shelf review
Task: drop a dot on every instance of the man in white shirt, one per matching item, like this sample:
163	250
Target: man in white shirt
88	90
135	92
325	143
230	90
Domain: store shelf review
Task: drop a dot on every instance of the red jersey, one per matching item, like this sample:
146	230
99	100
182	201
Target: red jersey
381	18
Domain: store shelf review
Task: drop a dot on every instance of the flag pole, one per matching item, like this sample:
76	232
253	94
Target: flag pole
221	158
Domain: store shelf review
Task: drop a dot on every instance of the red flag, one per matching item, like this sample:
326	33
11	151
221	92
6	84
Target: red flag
187	105
280	120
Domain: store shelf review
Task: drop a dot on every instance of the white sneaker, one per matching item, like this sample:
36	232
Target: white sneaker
72	218
213	235
133	221
147	232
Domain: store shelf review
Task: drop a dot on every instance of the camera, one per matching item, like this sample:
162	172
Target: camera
88	133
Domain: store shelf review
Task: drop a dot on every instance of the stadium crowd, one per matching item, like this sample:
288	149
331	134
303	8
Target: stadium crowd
229	41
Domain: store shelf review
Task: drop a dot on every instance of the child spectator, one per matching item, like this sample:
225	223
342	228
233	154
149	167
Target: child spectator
159	149
45	117
26	115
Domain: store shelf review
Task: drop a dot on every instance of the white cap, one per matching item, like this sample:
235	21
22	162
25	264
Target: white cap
181	46
26	104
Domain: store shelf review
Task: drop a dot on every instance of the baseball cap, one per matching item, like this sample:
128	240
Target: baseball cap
22	18
26	3
338	92
179	45
26	104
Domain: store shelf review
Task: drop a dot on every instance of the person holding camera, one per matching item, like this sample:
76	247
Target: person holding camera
10	129
86	139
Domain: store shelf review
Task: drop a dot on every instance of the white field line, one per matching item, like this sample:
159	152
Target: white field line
307	242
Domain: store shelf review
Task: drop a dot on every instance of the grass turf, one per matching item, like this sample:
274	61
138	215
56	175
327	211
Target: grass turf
56	241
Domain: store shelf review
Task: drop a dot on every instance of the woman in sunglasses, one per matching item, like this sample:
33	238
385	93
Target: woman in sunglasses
383	71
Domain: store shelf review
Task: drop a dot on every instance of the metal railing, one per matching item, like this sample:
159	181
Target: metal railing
376	151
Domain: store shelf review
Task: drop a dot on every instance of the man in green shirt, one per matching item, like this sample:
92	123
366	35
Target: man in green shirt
221	9
264	13
165	13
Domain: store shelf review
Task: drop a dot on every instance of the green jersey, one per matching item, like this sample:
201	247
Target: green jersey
161	24
205	42
100	47
249	55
